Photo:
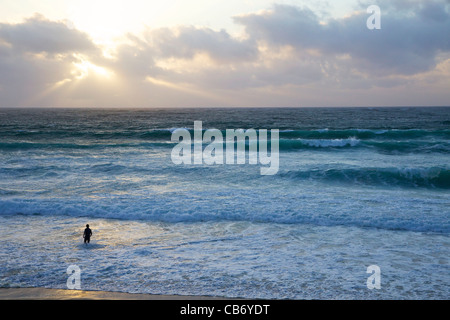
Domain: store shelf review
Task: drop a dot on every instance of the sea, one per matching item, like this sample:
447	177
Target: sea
358	209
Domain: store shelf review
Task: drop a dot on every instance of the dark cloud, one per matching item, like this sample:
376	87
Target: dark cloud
407	43
435	12
37	54
186	42
37	34
288	53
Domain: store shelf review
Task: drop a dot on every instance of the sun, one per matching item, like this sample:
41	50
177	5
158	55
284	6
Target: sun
102	20
108	20
84	68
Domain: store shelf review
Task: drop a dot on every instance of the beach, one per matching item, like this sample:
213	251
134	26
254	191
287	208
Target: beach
213	150
60	294
360	198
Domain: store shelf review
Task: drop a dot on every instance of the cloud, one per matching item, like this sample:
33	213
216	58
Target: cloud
37	34
288	55
38	55
407	43
187	41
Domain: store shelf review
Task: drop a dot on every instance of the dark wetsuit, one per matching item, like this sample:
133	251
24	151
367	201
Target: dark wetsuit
87	235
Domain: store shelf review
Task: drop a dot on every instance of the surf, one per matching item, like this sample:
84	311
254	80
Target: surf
388	177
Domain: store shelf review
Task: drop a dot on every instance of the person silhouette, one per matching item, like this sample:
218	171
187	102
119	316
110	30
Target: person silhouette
87	234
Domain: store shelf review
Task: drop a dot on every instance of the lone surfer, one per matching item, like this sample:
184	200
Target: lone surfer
87	234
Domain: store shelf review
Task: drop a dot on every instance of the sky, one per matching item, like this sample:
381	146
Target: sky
234	53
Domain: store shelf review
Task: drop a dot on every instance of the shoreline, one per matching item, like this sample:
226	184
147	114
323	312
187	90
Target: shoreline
65	294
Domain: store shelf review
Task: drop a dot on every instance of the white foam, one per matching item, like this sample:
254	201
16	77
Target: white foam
231	259
324	143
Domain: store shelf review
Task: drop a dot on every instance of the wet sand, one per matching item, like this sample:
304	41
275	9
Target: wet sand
60	294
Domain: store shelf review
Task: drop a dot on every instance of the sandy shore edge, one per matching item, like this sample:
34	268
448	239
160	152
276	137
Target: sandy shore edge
61	294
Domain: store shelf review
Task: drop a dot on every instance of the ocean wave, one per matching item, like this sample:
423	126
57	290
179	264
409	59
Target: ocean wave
6	192
90	134
380	140
11	146
364	134
378	146
166	211
431	178
383	146
166	133
414	146
293	144
284	145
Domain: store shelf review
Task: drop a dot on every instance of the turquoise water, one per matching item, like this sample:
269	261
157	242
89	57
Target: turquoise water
355	187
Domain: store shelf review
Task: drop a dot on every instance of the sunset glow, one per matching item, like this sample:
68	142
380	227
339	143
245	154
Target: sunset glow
217	53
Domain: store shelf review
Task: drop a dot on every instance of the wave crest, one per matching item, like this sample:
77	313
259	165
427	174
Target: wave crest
434	178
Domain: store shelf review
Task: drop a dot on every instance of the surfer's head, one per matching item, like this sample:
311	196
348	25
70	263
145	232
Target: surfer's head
87	226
